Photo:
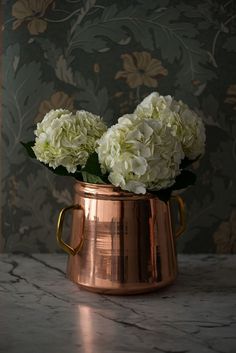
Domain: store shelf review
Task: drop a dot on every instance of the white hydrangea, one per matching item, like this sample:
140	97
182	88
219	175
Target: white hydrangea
193	131
184	123
66	139
140	154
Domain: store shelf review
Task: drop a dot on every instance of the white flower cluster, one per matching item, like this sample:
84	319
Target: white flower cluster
66	139
185	124
144	149
140	154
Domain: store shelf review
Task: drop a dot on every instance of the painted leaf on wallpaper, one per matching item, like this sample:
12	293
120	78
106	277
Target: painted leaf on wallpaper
37	214
51	52
22	91
225	235
209	213
113	26
175	39
63	71
152	5
190	11
226	152
92	98
218	189
93	35
88	95
229	44
59	61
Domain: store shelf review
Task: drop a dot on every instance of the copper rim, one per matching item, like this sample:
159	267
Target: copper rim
103	191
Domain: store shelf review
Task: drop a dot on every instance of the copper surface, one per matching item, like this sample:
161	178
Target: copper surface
128	242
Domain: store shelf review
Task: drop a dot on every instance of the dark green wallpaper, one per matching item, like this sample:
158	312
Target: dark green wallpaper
105	56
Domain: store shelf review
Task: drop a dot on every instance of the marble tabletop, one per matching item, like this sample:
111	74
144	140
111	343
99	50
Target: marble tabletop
41	311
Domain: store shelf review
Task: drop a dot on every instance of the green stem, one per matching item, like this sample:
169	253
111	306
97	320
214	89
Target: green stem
63	19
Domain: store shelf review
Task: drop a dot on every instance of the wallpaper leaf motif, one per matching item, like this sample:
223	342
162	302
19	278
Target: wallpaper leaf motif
89	95
37	214
92	98
63	71
19	103
51	52
229	44
176	40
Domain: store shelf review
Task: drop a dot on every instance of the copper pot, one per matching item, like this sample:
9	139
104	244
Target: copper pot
121	243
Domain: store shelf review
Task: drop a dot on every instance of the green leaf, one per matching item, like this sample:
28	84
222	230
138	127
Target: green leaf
59	170
91	178
23	89
78	174
163	195
187	162
92	165
92	171
185	179
28	147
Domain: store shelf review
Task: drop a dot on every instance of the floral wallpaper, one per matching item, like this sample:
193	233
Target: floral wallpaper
105	57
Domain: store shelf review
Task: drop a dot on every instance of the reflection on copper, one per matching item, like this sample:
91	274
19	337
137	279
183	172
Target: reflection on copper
86	327
128	241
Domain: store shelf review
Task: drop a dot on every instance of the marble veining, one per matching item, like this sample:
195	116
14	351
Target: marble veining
41	311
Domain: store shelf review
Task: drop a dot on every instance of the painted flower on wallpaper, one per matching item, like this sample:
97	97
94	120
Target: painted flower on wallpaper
225	236
141	69
32	12
56	101
231	96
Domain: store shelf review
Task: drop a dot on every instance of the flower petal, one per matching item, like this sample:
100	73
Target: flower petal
21	9
143	58
128	63
121	74
37	26
155	68
134	80
149	82
16	24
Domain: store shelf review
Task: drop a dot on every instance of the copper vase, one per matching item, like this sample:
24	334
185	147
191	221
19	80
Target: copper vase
121	243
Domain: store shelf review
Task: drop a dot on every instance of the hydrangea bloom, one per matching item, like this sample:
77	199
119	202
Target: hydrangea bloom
66	139
140	154
184	123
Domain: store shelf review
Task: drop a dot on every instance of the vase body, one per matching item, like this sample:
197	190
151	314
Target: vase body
122	243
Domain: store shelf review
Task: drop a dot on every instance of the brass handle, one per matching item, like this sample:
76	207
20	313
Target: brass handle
182	216
67	248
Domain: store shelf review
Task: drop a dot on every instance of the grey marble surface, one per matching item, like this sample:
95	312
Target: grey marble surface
41	311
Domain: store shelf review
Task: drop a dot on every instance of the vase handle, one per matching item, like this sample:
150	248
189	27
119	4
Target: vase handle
182	216
67	248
